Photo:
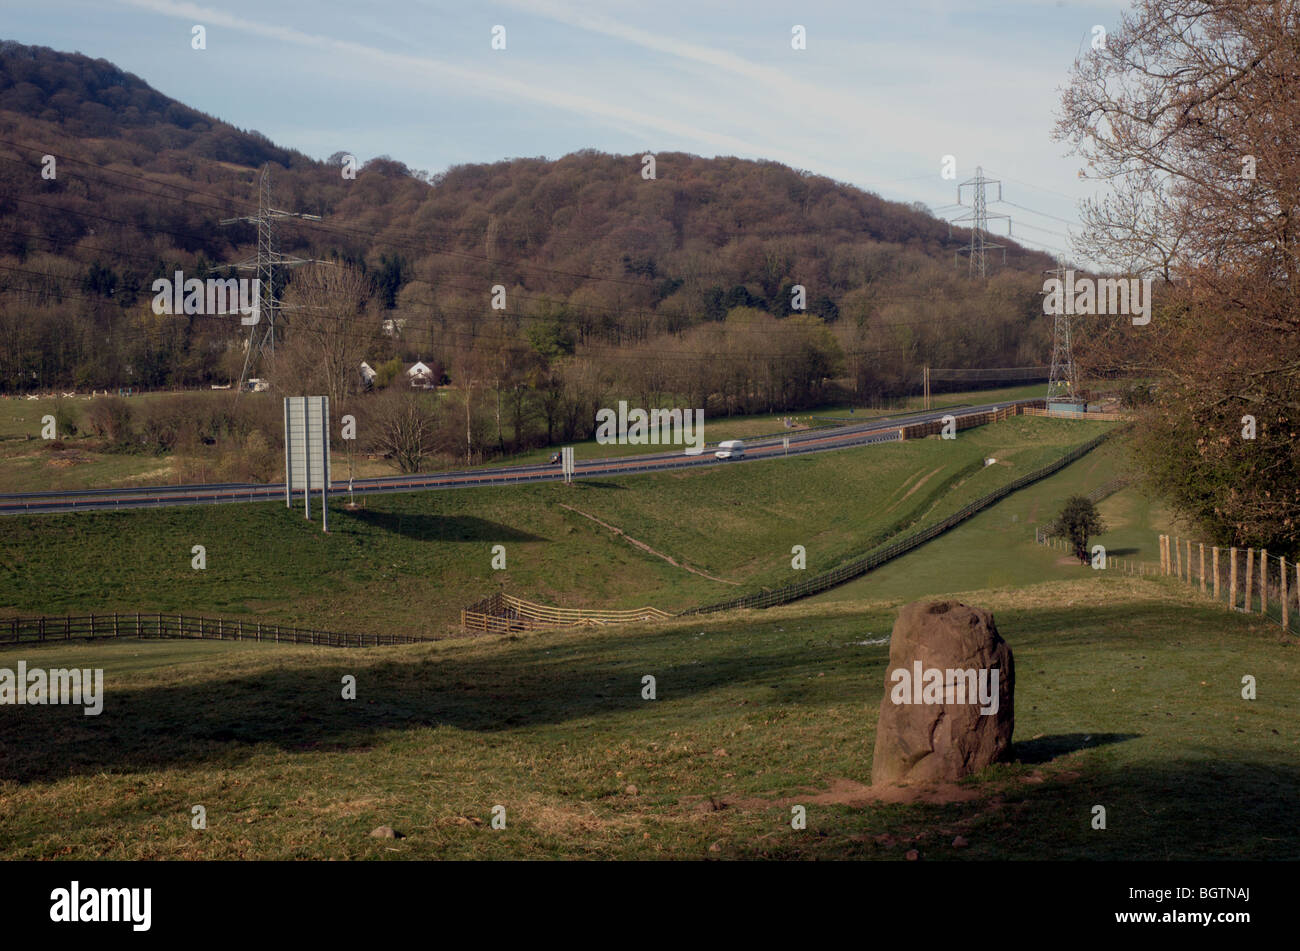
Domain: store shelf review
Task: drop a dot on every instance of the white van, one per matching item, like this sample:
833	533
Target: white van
731	449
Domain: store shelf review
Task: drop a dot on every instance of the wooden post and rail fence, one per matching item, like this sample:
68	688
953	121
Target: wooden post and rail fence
25	630
501	613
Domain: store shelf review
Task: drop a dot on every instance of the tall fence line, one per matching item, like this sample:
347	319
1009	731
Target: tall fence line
24	630
1248	580
878	556
1107	489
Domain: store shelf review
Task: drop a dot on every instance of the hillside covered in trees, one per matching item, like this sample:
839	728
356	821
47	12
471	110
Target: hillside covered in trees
615	286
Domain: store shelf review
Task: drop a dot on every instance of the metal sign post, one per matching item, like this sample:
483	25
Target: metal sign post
288	469
306	464
325	465
307	451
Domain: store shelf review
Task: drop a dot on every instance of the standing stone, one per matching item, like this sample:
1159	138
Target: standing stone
933	730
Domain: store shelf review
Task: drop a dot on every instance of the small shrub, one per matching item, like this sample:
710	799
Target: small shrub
110	419
1078	521
66	418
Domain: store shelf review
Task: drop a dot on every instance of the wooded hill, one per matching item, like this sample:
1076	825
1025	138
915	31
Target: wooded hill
605	272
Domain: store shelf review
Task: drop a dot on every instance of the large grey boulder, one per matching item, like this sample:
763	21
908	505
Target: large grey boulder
947	710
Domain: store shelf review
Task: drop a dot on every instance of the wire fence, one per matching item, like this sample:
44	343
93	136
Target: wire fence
1107	489
25	630
1248	580
1128	566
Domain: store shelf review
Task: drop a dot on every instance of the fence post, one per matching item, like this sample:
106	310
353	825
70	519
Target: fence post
1263	581
1285	606
1178	556
1250	576
1202	544
1216	572
1232	580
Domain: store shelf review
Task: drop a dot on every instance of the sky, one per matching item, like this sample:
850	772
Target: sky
880	94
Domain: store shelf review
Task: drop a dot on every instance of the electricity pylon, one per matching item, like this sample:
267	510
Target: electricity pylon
1061	383
265	264
979	217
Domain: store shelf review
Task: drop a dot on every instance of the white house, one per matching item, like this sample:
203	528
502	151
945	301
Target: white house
419	374
368	374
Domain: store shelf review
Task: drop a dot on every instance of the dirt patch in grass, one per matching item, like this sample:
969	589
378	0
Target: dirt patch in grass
646	548
67	458
844	792
849	792
920	482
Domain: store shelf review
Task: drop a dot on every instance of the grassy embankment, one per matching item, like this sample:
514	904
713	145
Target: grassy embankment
409	562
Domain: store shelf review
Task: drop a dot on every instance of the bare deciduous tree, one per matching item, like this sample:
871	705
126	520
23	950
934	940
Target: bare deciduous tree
1190	110
402	424
329	334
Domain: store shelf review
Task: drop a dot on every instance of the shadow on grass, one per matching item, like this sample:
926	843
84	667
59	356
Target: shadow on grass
300	709
441	527
1047	748
1172	810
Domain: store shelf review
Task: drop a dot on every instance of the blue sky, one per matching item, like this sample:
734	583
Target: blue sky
882	92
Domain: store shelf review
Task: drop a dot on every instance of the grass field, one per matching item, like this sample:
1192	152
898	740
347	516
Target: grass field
1128	696
27	464
996	548
407	563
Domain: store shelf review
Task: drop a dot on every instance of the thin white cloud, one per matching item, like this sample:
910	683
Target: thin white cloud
495	84
835	116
